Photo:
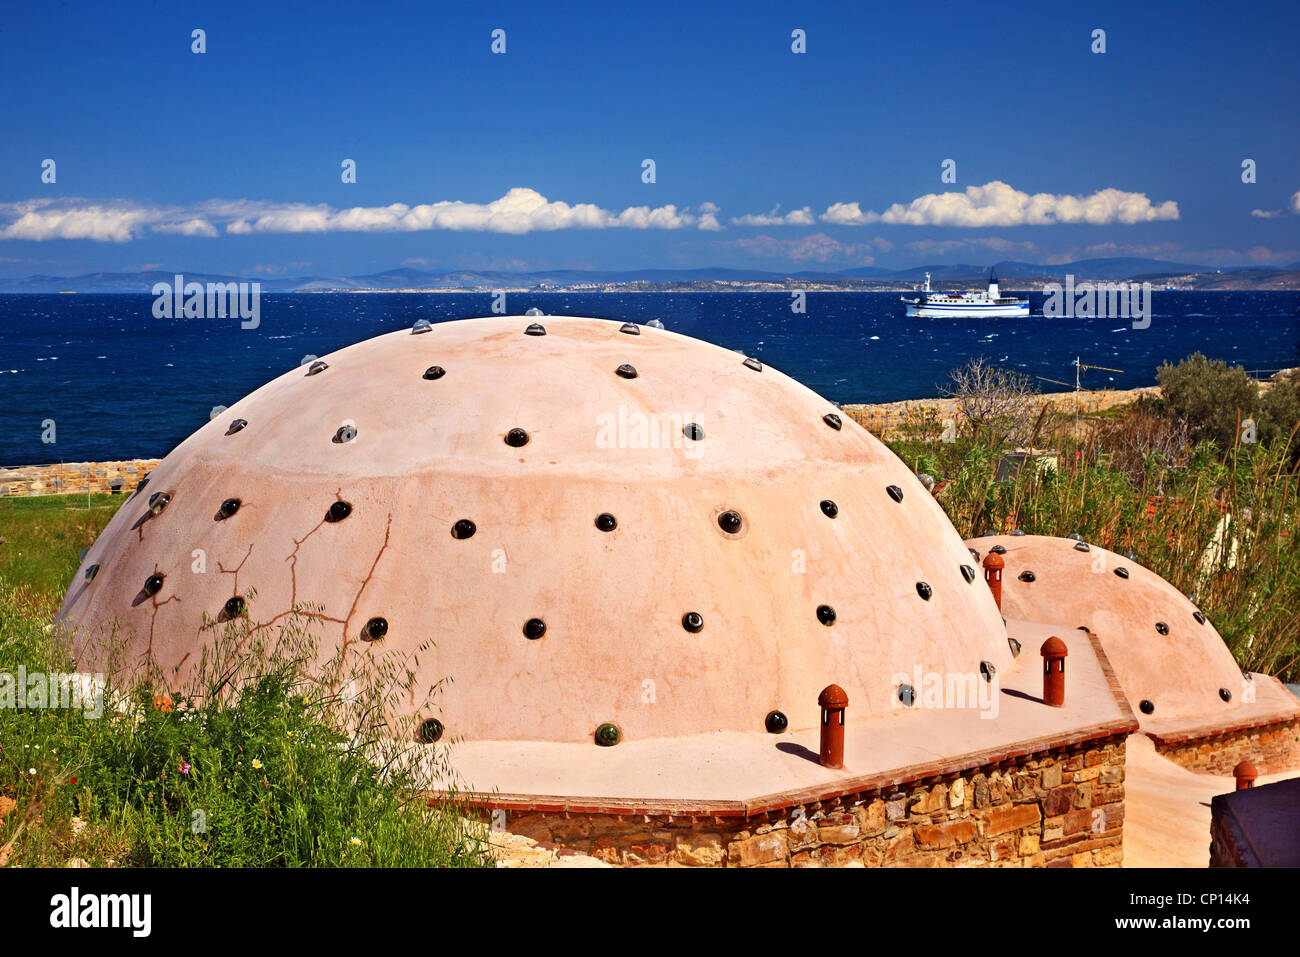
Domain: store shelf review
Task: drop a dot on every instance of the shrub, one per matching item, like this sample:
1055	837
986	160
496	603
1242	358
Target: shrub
1143	439
1000	405
1210	396
1279	414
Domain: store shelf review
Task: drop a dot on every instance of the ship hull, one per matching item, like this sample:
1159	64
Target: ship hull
932	310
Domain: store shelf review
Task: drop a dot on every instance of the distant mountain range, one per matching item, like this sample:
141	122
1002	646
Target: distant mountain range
1009	272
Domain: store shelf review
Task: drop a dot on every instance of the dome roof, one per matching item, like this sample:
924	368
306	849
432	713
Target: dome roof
1163	649
595	523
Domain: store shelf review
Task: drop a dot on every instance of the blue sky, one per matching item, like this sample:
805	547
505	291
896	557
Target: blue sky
230	160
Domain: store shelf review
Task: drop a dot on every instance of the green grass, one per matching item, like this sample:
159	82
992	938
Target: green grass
41	537
260	760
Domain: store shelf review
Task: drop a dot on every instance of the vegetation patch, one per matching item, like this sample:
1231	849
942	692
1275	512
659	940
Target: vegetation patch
1199	484
268	757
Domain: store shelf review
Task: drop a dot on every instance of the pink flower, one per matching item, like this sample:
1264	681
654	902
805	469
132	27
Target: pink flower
183	767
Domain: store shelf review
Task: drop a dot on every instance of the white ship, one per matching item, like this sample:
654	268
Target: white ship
973	305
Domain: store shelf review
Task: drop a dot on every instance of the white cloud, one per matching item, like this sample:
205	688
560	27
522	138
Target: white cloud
519	211
709	217
848	214
796	217
189	227
999	204
816	248
1292	206
41	219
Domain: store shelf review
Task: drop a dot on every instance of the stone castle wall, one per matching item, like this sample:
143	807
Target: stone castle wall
1064	808
1272	748
75	477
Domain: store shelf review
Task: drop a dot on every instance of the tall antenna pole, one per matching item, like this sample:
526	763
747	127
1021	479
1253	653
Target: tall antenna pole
1076	395
1079	367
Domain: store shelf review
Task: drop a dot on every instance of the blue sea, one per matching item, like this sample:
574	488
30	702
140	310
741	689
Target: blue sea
119	383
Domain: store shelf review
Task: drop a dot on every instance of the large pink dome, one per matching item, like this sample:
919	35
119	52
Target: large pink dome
619	569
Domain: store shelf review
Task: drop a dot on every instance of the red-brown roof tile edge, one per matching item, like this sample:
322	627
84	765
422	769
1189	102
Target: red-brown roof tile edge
881	783
1112	682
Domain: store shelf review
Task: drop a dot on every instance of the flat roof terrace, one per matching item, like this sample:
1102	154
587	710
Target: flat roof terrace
740	774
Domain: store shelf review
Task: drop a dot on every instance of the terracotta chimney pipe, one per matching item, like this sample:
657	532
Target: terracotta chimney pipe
832	701
1054	652
1245	774
993	565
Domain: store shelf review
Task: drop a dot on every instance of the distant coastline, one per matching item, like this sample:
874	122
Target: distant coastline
1017	276
1283	282
1201	282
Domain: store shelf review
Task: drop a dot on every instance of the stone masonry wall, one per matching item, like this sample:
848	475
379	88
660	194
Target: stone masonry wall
1228	846
1062	809
1271	748
74	477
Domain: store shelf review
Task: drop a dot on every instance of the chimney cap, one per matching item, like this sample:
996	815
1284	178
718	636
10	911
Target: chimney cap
833	696
1054	647
994	560
1245	771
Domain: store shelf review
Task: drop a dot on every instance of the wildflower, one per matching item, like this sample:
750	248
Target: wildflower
73	781
31	770
183	767
256	763
355	841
